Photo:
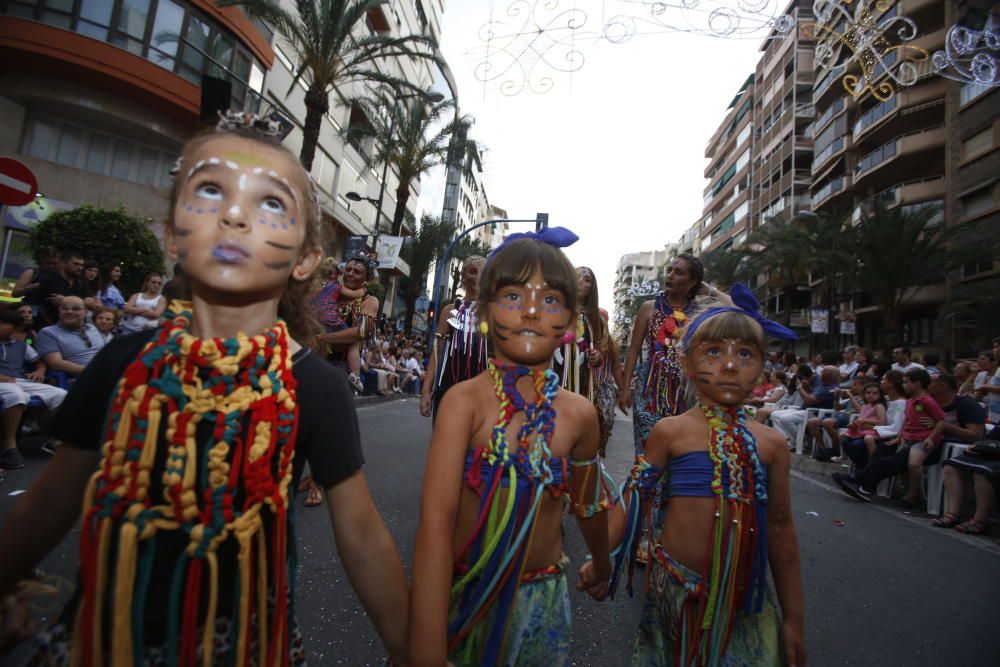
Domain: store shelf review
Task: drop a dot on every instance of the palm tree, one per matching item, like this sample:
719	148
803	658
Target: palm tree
412	137
776	249
424	248
331	54
724	266
897	252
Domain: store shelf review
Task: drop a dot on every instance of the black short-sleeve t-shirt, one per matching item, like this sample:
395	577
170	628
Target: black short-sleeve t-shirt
328	435
328	439
50	283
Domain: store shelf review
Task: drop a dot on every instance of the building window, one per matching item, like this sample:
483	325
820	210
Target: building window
977	144
977	202
977	266
170	33
971	91
81	148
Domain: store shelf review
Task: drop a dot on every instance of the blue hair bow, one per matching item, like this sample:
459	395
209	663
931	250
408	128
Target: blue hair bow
560	237
747	304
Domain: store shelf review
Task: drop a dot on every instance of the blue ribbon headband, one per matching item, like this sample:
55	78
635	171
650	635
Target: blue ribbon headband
747	304
560	237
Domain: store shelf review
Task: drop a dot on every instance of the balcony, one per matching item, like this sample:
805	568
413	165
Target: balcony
833	187
907	145
836	147
920	192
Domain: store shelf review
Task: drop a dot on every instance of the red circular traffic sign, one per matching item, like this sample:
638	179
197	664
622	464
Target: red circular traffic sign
18	186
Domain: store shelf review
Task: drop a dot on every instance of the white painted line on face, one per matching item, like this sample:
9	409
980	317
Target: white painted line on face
232	165
243	182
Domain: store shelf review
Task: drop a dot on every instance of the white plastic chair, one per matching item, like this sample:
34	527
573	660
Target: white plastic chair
800	434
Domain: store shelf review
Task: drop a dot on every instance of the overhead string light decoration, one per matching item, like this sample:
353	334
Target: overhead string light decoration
532	43
970	56
877	41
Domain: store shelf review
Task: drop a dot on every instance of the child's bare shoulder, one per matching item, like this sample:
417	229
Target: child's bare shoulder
573	403
770	443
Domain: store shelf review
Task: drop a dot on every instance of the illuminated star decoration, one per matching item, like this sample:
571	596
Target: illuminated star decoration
535	41
966	56
878	47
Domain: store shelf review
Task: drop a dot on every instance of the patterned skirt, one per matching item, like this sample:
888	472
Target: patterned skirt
538	629
606	395
754	639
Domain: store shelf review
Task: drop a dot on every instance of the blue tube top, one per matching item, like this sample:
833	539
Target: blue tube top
691	475
558	465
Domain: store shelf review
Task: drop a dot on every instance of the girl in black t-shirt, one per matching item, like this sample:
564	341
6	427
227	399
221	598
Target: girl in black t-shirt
186	552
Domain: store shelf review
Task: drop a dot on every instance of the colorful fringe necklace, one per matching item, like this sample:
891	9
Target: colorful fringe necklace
665	388
496	552
736	563
576	372
225	490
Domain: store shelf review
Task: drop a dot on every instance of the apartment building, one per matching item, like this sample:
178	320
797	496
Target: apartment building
636	272
97	97
726	214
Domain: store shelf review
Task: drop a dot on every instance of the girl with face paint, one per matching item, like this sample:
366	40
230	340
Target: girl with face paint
488	592
587	362
728	515
186	540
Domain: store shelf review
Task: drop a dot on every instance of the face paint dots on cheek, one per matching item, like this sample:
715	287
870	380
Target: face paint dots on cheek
243	182
234	210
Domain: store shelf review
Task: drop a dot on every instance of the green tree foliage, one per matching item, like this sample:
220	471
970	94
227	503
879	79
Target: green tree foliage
334	48
425	247
109	237
724	266
412	136
898	251
777	251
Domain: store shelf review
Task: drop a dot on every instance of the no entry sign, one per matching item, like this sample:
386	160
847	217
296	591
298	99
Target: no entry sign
18	186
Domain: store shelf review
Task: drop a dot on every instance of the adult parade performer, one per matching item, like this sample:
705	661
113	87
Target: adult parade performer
348	320
459	351
187	543
657	388
587	363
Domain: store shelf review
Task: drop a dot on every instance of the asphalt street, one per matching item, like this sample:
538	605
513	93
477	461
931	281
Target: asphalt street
885	588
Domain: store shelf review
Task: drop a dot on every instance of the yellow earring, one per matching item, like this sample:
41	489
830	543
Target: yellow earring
484	328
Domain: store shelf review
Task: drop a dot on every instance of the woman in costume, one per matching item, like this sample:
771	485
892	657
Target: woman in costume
348	320
488	582
187	549
657	388
587	362
728	512
459	351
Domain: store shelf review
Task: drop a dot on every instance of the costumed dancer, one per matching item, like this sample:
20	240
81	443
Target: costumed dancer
327	305
459	351
587	362
657	388
728	512
488	581
347	313
187	546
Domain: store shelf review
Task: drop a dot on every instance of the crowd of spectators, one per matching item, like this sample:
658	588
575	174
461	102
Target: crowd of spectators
69	309
891	417
395	363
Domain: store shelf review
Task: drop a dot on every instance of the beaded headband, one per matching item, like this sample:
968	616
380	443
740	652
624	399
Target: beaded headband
747	304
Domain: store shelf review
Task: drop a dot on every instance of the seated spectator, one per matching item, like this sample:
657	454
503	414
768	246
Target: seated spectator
849	366
870	410
880	366
16	387
764	386
109	295
848	404
930	361
988	387
815	362
985	474
26	329
66	282
415	372
966	378
26	287
70	344
902	361
986	367
961	419
386	375
792	399
145	308
864	360
774	394
862	452
106	319
787	421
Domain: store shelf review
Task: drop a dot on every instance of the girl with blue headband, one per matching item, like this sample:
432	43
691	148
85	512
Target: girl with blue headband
511	452
728	513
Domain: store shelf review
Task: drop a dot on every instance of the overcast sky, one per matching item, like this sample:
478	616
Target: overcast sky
614	151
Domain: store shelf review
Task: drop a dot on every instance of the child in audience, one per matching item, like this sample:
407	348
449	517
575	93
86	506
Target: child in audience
186	547
728	512
488	582
870	414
